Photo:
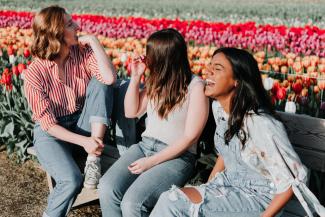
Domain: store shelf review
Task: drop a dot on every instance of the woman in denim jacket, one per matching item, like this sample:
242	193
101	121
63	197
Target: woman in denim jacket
249	178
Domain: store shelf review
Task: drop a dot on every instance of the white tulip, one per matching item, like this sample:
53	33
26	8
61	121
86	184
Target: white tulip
268	83
124	57
12	59
290	107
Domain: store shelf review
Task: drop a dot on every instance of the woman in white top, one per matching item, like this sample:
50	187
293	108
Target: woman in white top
177	111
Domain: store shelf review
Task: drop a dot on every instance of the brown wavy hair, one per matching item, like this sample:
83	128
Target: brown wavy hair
170	72
48	32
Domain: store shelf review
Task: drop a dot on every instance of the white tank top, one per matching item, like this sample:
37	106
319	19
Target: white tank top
170	129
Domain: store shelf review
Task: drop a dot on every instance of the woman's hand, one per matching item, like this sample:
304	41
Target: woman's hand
93	145
87	39
137	67
140	166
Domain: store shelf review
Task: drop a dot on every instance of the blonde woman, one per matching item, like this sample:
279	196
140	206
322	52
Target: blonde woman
67	88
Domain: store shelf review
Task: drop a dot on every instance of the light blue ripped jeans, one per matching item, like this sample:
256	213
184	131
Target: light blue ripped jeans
56	156
122	193
239	191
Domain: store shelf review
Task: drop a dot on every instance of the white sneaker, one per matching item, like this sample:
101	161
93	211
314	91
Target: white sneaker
92	173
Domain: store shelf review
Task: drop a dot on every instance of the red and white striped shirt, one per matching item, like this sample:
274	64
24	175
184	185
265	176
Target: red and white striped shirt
47	95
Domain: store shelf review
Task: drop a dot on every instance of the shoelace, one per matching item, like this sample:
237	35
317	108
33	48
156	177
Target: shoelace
92	170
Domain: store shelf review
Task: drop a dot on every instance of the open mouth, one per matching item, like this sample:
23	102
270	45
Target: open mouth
209	82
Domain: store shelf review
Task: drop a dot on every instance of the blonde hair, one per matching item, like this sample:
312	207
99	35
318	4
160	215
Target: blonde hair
48	32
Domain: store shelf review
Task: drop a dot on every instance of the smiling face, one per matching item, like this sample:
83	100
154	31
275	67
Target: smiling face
70	31
219	77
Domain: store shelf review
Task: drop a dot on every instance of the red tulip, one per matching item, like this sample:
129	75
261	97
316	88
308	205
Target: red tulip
6	79
281	93
15	70
275	87
10	50
26	53
21	67
273	100
297	87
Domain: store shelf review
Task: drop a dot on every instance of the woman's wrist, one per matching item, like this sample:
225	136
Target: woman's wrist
153	160
81	140
135	79
93	41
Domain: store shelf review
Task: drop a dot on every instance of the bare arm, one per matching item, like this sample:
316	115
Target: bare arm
278	202
135	102
90	144
218	167
194	125
105	66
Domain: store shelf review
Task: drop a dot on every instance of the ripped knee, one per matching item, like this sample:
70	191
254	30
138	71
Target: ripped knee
189	194
193	195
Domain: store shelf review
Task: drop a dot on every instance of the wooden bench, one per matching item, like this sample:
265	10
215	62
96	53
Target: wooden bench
307	134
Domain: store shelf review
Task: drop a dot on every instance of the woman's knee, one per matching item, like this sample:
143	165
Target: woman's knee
130	208
72	183
192	194
107	188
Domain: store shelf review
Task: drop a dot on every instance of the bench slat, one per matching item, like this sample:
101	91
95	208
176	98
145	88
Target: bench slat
85	196
305	131
313	159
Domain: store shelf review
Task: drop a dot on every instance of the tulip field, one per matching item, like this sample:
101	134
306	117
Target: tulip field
290	53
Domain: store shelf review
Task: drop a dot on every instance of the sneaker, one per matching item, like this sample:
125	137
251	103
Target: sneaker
92	173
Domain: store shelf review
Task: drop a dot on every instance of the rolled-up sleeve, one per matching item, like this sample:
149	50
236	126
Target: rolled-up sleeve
38	101
276	155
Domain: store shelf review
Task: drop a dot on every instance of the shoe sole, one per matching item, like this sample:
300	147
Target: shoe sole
88	186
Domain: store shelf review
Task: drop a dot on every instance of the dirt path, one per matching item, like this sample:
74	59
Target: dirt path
23	191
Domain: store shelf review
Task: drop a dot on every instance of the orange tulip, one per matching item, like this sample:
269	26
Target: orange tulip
275	68
277	61
284	69
271	61
316	89
304	92
297	67
290	62
306	62
321	83
321	68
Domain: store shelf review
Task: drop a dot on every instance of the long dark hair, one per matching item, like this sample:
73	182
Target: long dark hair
250	94
170	72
